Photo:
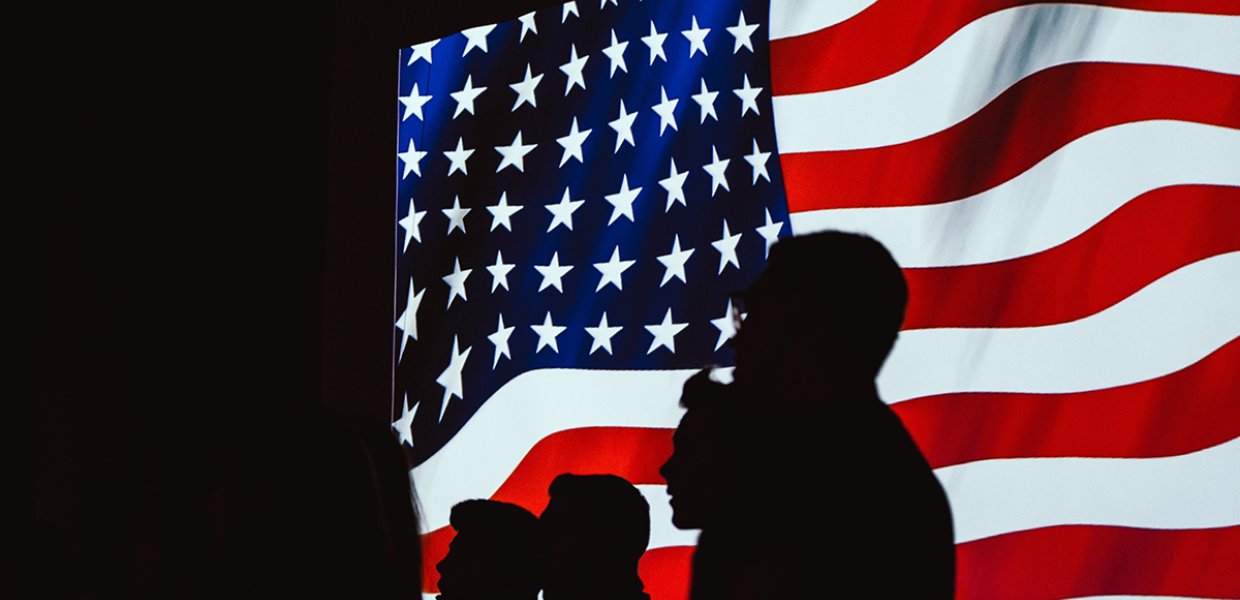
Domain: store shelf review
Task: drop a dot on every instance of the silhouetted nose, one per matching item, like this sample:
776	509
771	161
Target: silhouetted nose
668	469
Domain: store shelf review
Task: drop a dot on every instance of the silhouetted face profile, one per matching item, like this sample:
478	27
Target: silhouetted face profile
696	470
494	554
594	530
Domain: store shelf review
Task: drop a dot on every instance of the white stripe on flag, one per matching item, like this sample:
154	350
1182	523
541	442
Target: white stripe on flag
943	88
1193	491
1166	326
790	18
1054	201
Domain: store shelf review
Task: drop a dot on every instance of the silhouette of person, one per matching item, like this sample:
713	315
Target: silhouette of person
494	555
697	471
838	494
595	529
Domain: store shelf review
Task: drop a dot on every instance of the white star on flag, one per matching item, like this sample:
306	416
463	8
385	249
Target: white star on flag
717	168
411	223
525	90
602	335
770	231
612	269
527	25
466	96
573	69
514	154
500	340
456	215
501	213
706	100
725	325
674	183
572	143
674	262
407	322
499	271
623	125
665	333
742	31
655	42
757	160
697	38
553	273
562	212
547	332
622	201
456	282
414	102
422	52
615	54
458	157
726	246
411	157
665	110
749	97
476	37
569	7
450	379
405	422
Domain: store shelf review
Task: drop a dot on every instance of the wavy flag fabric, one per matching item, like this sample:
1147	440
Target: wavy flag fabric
581	189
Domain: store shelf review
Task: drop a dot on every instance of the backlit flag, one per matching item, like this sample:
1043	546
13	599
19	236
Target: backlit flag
580	190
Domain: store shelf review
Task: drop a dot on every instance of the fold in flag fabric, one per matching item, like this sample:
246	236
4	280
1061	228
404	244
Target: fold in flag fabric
581	189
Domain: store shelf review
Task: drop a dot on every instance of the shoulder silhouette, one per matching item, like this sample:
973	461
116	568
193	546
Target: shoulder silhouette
494	555
595	530
818	486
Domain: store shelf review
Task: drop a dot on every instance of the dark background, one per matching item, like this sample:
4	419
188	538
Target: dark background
213	188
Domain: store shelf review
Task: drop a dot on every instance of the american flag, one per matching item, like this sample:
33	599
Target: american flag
580	189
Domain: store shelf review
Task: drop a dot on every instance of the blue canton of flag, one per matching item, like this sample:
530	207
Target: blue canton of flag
581	188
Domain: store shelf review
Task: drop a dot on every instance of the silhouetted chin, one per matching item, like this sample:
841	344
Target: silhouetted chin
681	518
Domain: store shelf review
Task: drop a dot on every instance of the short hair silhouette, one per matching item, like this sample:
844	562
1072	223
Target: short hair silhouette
494	554
595	530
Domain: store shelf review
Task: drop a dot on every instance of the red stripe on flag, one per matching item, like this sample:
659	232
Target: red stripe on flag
1186	411
1081	560
1026	123
434	548
665	572
891	35
1150	236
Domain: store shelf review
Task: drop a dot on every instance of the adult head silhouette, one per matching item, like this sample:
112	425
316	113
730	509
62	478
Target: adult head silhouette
698	471
595	530
494	555
823	314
